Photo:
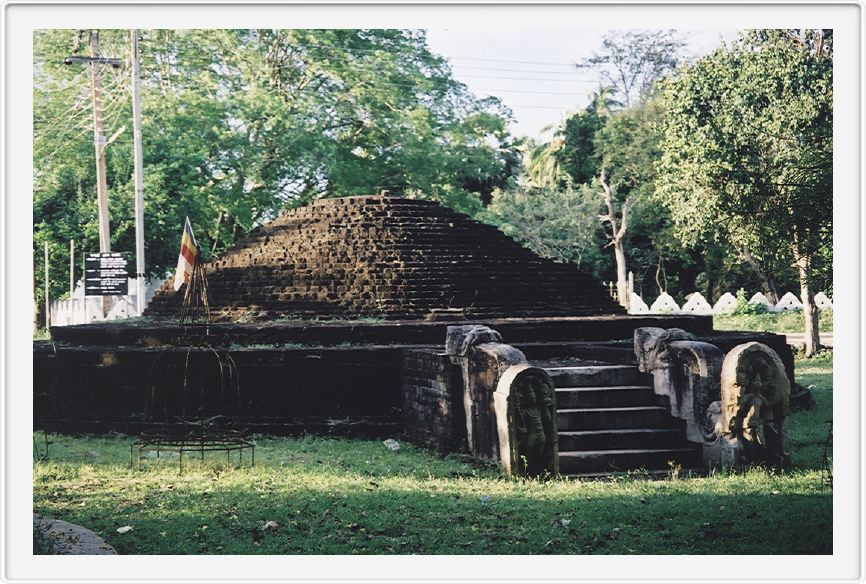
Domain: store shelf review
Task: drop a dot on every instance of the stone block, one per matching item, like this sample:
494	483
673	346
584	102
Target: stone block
525	406
664	304
688	373
697	304
787	303
727	302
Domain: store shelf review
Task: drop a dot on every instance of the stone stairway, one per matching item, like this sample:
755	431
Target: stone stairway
610	420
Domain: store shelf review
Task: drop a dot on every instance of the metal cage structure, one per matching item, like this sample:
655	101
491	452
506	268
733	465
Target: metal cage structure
193	389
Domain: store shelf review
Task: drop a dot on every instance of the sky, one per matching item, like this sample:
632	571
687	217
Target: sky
533	72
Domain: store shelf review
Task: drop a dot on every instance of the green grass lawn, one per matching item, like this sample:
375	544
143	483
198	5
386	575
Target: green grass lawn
771	322
330	496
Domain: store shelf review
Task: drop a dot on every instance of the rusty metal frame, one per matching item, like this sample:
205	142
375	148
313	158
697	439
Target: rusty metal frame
827	456
199	439
175	431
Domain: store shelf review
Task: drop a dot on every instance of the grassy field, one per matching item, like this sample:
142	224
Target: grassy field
329	496
771	322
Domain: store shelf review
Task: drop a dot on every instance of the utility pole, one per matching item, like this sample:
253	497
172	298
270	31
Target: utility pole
139	175
99	145
96	62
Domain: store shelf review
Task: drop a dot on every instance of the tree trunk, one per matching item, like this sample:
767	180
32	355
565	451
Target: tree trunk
616	237
621	278
810	310
772	288
35	305
216	236
766	275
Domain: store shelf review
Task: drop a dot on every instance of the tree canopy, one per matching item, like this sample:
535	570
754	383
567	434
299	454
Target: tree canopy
726	163
747	148
747	156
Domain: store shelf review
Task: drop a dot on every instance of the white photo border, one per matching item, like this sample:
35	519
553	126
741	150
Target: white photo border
18	20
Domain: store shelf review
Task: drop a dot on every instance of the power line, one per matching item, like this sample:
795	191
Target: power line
509	70
564	77
576	80
535	92
419	84
349	53
74	109
81	123
449	58
445	57
84	125
65	143
546	107
514	61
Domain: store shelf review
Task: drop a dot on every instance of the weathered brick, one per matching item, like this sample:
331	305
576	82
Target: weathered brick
391	258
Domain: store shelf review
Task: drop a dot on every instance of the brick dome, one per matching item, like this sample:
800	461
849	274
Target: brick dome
387	257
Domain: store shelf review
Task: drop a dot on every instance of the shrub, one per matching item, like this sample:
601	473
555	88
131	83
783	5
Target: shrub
743	306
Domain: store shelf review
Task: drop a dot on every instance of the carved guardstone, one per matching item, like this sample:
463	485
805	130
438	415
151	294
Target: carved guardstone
525	404
688	373
755	405
483	358
460	338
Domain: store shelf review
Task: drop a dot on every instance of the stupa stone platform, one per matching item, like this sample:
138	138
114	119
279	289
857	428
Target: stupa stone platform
335	315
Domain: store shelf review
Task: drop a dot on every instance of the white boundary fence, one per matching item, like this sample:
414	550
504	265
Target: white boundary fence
727	302
80	309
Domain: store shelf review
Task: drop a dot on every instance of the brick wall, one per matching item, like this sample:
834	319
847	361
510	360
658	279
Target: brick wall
432	396
340	391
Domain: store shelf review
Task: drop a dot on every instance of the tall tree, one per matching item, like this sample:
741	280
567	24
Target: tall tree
631	62
556	223
747	153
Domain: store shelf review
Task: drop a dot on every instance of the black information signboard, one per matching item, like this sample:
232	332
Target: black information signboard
105	274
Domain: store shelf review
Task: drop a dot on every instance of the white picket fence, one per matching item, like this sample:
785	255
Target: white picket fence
80	309
697	304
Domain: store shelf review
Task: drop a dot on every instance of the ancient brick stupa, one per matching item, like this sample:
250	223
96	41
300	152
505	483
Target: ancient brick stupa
390	258
336	316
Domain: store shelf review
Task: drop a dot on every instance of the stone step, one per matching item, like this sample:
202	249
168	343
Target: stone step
595	376
606	397
643	474
613	418
634	438
594	461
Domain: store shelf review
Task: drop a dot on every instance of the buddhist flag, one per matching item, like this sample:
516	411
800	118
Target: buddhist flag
186	259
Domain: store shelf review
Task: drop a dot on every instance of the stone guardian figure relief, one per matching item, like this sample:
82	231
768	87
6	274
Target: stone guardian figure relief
755	395
525	407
